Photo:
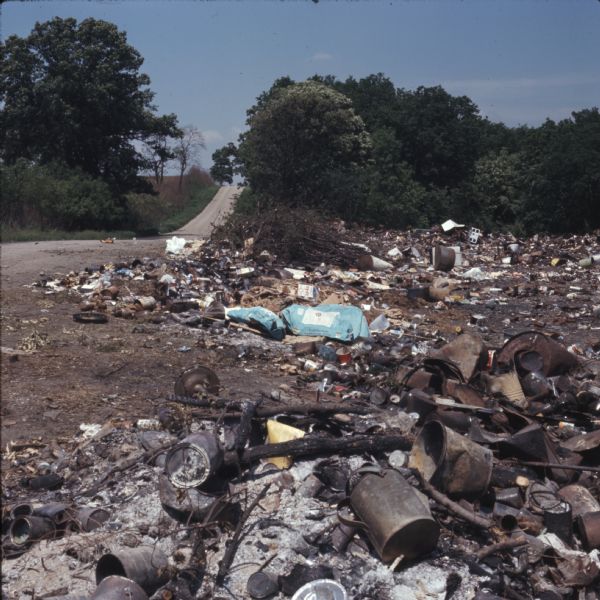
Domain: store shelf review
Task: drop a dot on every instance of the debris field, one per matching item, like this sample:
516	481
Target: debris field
388	415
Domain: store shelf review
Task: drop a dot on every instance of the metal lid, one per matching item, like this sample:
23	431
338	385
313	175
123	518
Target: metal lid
261	585
187	465
321	589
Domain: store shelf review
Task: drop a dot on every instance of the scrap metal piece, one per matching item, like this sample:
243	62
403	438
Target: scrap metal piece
197	380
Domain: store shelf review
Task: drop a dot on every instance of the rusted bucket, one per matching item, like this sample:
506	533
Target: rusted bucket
442	258
451	462
532	350
394	515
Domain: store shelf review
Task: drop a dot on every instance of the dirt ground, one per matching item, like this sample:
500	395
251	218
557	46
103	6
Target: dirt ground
85	373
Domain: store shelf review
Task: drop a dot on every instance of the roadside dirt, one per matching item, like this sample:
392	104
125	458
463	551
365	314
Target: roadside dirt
83	372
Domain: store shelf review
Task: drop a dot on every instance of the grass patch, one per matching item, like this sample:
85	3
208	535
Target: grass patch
198	200
15	234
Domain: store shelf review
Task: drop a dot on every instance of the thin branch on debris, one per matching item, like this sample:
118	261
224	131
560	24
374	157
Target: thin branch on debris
549	465
500	547
233	546
132	462
452	506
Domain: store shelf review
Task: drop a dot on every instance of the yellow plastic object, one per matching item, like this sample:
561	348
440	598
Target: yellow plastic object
280	432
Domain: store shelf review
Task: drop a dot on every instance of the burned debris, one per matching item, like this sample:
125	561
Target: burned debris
441	439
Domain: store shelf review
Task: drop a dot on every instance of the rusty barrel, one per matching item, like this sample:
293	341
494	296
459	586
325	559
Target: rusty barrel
451	462
394	515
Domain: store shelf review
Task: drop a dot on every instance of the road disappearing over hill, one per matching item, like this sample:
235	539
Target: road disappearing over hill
213	214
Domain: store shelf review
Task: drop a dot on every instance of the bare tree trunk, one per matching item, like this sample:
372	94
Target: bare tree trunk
181	172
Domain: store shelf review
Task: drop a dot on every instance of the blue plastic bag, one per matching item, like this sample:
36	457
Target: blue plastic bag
264	319
335	321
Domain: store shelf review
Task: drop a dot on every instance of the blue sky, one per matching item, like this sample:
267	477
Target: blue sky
520	61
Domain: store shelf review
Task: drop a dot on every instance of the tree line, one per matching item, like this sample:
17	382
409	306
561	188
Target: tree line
368	151
79	130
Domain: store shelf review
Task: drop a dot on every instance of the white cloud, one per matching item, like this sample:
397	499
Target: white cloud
322	56
212	136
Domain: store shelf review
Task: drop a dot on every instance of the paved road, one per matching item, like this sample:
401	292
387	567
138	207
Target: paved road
214	213
21	262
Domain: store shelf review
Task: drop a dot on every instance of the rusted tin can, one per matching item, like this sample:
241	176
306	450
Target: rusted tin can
116	587
343	355
589	528
189	507
559	520
535	384
145	302
580	499
21	510
367	262
451	462
55	511
25	530
442	258
88	519
196	458
506	516
146	565
510	496
394	515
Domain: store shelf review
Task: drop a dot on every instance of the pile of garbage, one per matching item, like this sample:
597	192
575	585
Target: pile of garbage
416	455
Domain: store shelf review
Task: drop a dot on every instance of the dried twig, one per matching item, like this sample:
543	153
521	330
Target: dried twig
233	545
501	546
452	506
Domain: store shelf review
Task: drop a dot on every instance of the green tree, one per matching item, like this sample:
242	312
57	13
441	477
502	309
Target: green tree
440	135
561	174
55	196
224	163
299	137
497	190
73	93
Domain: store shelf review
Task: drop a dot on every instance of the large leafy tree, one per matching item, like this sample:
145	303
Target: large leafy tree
299	136
73	92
